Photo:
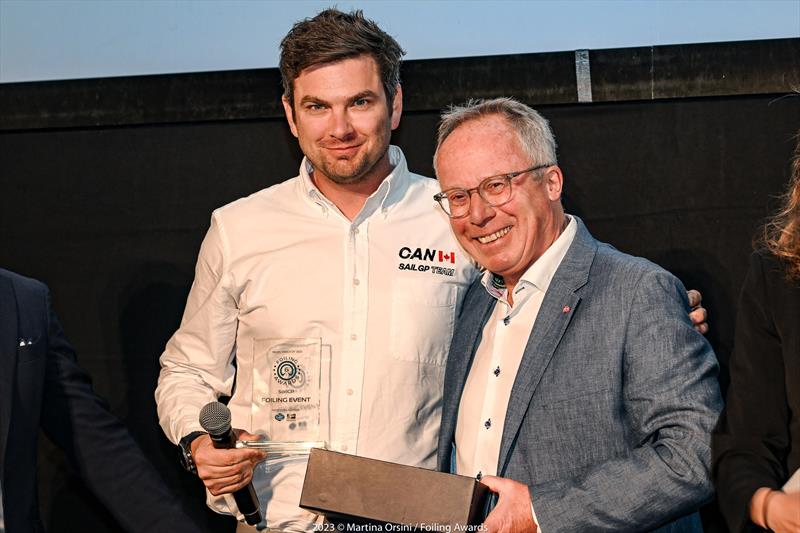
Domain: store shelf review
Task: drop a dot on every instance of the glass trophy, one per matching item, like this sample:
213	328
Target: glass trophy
290	395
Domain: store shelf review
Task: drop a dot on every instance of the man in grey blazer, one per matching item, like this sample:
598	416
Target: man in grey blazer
576	386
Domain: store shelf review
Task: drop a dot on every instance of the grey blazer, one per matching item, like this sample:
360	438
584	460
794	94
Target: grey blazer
611	412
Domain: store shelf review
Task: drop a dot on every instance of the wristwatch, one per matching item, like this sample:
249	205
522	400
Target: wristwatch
185	445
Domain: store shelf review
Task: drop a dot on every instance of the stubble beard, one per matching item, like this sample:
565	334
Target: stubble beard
358	171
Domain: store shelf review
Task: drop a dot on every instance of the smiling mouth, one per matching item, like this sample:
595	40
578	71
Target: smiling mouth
494	236
343	148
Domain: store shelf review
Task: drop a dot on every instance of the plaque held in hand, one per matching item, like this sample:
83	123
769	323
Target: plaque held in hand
289	394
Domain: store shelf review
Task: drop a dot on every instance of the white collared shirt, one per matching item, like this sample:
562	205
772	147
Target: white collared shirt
484	401
379	294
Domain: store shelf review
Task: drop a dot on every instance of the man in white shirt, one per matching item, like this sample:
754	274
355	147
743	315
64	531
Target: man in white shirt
351	260
574	373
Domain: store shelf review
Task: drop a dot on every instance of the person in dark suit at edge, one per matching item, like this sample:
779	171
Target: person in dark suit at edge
576	387
41	385
756	444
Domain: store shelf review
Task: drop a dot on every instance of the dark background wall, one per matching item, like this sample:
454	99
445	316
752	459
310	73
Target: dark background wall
106	188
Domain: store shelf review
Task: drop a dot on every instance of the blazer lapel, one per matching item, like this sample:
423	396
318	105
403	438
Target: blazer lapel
474	328
475	313
8	359
555	315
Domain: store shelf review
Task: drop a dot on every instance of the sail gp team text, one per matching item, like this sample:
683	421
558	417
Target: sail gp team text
442	271
421	526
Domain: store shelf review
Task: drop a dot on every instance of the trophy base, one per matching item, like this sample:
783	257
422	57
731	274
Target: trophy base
282	448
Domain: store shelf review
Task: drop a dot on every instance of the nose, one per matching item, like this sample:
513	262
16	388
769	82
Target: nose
480	211
341	127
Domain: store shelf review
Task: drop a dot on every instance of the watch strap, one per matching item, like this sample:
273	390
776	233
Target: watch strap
185	445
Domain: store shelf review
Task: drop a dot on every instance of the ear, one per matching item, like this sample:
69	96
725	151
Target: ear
397	107
287	109
554	183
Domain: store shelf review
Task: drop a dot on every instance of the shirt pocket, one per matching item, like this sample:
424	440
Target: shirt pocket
422	321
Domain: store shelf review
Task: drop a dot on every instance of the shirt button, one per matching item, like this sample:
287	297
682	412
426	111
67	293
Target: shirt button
488	424
507	320
353	337
497	371
355	231
356	282
349	392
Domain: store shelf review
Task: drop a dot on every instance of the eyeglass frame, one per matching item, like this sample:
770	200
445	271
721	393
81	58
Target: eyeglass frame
508	176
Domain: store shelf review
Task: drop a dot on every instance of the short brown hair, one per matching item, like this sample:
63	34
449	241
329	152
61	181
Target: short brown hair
332	36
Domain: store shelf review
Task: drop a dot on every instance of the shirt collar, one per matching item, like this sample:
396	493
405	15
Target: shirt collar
541	272
389	192
397	180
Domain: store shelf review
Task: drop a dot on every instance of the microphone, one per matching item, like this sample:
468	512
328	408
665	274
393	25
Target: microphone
215	418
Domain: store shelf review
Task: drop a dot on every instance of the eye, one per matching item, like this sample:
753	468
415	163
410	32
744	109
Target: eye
315	107
495	186
361	102
458	197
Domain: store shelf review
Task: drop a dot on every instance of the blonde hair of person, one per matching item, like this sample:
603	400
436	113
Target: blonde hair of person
782	231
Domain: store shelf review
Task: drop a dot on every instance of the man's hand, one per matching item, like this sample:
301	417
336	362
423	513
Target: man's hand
698	313
225	470
513	512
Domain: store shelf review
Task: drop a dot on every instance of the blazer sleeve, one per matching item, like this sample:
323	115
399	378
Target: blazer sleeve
99	446
752	440
670	403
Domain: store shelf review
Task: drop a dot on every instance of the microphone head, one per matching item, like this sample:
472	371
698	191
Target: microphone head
215	418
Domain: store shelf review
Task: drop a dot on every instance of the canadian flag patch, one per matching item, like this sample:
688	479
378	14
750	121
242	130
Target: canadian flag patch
444	257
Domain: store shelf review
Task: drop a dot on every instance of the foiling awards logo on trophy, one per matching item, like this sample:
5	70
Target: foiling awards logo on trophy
290	395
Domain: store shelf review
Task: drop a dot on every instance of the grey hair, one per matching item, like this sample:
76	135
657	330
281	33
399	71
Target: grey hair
533	129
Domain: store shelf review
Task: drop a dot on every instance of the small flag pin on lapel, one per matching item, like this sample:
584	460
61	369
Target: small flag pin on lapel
566	309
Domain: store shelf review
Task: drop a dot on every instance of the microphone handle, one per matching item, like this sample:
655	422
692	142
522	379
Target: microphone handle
224	440
246	498
247	502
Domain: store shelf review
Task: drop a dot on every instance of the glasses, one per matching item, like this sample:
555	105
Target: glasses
495	191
